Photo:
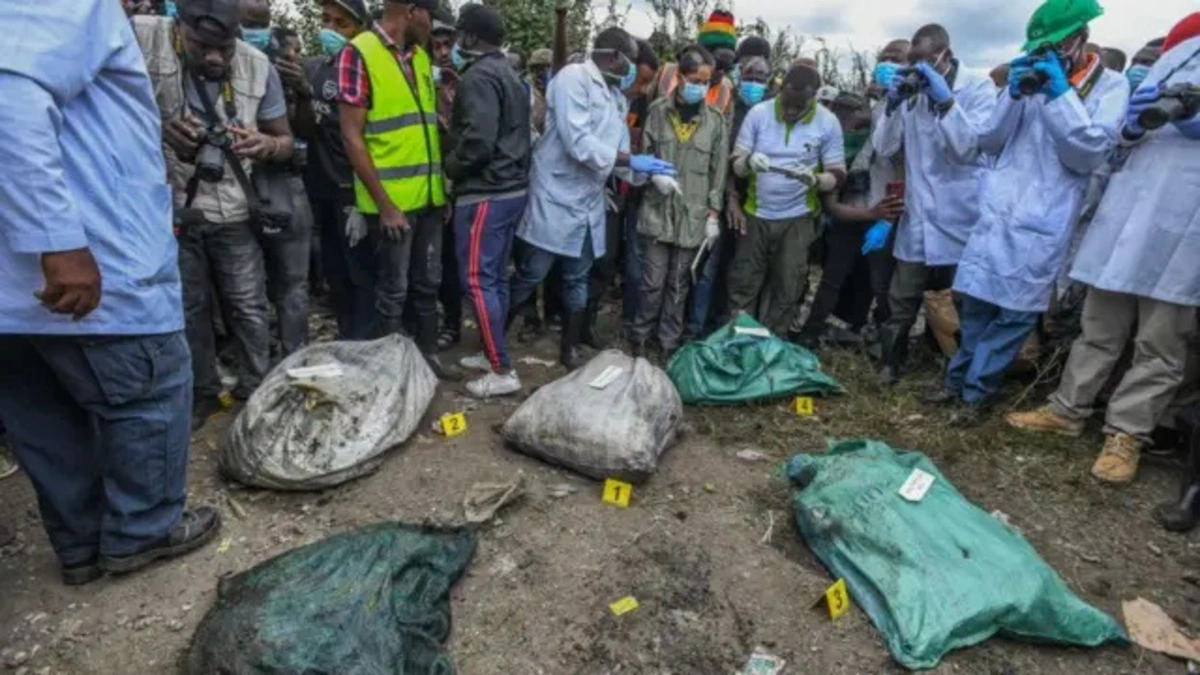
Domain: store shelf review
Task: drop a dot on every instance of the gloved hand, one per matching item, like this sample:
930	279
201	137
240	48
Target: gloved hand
938	88
356	227
651	165
1189	127
825	182
1018	68
712	226
894	86
666	185
1141	99
1056	82
759	163
877	237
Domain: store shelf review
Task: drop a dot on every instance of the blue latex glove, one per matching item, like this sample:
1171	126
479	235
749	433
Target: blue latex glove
894	87
1189	127
1141	99
877	237
936	85
1056	82
651	165
1018	69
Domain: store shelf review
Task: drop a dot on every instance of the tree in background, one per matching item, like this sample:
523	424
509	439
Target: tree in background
530	26
530	23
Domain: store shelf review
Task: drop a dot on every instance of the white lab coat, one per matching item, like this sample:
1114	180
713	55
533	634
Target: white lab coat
585	129
1046	152
942	169
1145	238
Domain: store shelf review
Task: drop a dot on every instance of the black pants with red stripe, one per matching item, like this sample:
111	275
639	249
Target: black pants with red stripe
483	233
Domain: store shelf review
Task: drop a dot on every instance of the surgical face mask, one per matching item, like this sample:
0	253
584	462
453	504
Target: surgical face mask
1136	75
629	78
884	72
257	37
331	41
692	93
169	8
752	92
457	58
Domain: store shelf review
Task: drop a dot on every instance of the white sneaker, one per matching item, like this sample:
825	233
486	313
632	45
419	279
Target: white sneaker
477	361
495	384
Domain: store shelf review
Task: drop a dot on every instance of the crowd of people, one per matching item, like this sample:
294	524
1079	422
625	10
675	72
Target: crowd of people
416	166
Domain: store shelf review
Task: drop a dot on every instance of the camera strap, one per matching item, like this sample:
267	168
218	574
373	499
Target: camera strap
235	164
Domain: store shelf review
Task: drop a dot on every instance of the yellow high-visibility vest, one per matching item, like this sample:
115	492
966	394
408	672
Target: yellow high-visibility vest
401	131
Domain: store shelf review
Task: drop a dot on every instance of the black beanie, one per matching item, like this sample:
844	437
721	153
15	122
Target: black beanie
483	22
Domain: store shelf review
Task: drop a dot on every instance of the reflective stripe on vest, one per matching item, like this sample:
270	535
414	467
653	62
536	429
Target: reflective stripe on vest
401	132
719	95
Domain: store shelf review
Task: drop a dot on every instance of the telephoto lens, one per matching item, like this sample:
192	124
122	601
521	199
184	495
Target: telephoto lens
1177	102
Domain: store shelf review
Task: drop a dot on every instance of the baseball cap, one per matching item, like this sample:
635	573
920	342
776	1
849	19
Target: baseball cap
224	13
356	9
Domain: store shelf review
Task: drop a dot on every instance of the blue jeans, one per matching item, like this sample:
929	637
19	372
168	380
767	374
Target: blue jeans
534	264
483	233
100	425
991	338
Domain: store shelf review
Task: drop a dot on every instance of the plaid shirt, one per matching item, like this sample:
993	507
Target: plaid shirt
354	87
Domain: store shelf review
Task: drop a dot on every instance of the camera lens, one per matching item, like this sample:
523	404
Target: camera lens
1030	84
1161	113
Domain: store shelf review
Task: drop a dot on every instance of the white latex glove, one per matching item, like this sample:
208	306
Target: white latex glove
666	184
356	227
712	227
826	182
759	163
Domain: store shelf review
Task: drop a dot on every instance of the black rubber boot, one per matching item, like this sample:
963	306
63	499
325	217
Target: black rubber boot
427	339
569	354
894	347
1181	516
588	334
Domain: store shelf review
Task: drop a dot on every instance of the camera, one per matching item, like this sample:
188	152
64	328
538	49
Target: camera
1032	82
912	83
1177	102
210	156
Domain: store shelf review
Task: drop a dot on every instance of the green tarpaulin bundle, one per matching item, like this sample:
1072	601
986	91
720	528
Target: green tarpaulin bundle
744	362
375	601
935	574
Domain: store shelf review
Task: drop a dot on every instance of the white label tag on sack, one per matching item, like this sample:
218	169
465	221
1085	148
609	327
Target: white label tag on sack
916	486
606	378
757	331
313	372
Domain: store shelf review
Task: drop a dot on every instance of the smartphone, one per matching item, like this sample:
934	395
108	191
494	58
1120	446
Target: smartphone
895	188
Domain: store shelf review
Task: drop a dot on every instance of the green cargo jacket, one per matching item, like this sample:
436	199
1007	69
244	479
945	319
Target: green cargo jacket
701	164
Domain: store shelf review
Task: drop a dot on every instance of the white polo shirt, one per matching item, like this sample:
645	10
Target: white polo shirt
813	142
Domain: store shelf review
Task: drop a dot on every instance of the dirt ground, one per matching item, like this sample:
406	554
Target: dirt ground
692	547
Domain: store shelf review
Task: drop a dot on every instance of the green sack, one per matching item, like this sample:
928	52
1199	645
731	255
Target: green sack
935	574
743	361
375	601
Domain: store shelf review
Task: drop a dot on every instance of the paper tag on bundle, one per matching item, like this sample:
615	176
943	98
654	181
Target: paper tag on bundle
607	377
916	486
313	372
756	331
